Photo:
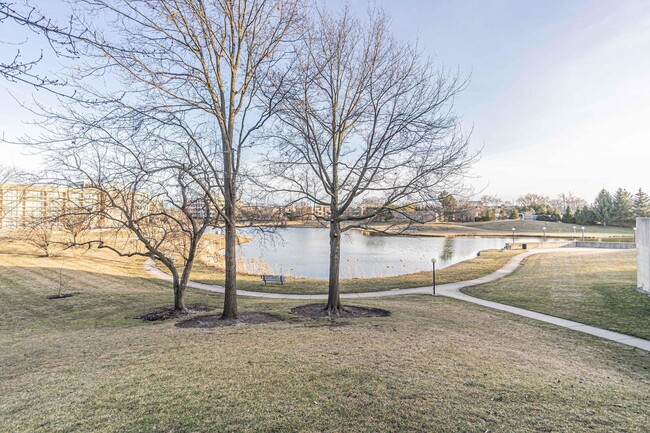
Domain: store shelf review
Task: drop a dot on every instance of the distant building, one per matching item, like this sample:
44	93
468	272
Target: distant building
321	211
196	209
470	211
22	204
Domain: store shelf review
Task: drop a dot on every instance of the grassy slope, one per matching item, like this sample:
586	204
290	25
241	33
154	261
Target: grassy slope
81	364
523	228
552	227
487	262
588	287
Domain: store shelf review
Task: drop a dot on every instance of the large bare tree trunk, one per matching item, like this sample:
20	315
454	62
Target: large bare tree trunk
179	295
230	295
333	298
179	289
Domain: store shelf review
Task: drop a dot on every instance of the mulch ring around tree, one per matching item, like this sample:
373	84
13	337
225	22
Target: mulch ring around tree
215	321
168	313
316	311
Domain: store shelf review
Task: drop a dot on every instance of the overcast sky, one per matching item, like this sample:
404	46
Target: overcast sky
559	98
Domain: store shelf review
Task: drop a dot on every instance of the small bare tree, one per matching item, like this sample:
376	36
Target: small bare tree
75	223
39	233
364	117
60	284
155	215
163	219
141	208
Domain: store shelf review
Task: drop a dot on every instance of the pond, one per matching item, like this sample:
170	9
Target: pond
304	252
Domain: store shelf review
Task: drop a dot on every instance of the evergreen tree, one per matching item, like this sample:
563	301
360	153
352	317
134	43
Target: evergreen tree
515	214
449	205
555	216
603	207
568	217
622	206
641	204
584	216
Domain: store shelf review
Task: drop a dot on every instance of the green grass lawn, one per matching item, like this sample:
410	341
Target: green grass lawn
84	364
589	287
488	262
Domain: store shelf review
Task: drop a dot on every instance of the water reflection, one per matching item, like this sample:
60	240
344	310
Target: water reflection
304	252
448	249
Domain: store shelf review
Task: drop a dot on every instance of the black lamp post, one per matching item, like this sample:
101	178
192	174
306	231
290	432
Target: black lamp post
433	267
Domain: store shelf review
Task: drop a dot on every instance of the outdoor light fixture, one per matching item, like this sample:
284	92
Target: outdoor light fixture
513	235
583	234
635	235
433	266
544	228
574	232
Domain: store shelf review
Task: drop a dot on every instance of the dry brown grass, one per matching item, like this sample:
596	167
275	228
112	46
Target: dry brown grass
488	262
523	228
436	364
588	287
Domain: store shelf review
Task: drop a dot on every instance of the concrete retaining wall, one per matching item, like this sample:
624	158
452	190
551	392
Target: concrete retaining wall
608	245
643	254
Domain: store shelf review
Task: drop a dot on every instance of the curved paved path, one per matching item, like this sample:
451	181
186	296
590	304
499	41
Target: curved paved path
451	290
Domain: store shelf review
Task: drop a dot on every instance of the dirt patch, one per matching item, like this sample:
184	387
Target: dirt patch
315	311
169	313
214	320
62	296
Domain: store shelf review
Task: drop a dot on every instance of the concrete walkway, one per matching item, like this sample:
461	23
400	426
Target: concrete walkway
451	290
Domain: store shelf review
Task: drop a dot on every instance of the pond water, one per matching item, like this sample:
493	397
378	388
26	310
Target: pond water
304	252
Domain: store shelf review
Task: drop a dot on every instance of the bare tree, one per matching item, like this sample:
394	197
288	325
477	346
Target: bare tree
536	202
143	209
76	224
60	38
491	200
39	233
152	214
197	67
364	117
570	200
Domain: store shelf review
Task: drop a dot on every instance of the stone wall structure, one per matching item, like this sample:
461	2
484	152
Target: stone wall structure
606	245
643	254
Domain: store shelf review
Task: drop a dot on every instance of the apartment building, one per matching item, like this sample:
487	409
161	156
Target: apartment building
21	205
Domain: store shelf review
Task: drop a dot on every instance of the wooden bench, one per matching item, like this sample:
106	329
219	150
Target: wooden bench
272	279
